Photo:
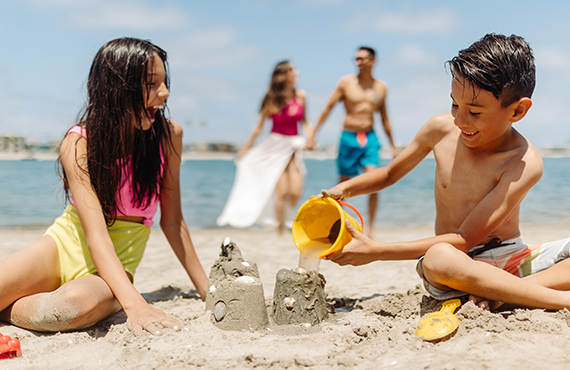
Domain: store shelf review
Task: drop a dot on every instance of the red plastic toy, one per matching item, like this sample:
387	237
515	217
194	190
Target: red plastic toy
9	347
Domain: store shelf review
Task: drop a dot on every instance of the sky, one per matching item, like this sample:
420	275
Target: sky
222	52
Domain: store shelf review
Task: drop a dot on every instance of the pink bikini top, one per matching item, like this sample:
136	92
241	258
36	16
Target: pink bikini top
124	197
285	122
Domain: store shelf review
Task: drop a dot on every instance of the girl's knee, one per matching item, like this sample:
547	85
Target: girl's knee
69	309
295	195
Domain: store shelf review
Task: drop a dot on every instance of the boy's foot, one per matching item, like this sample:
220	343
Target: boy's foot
484	303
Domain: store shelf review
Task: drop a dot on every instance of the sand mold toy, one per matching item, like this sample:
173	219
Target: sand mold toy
439	325
9	347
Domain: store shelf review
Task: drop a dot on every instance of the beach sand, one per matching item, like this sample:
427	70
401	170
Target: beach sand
374	327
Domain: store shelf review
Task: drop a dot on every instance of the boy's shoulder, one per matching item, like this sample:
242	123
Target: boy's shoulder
527	152
436	128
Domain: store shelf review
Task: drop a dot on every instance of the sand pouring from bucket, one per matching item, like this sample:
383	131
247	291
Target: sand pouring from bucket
319	229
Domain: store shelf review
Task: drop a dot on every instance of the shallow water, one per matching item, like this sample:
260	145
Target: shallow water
31	195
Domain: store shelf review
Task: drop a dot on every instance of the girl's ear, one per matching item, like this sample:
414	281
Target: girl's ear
521	108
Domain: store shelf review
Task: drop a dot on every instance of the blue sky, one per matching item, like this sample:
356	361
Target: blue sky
222	53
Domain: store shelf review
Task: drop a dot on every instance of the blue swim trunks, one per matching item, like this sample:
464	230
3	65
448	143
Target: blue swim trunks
357	150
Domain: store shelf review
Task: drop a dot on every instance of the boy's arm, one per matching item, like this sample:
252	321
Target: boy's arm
478	226
380	178
386	124
494	209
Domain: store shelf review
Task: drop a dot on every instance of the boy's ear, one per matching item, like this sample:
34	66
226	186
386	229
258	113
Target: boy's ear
520	109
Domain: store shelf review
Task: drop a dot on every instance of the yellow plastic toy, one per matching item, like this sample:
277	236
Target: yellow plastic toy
441	324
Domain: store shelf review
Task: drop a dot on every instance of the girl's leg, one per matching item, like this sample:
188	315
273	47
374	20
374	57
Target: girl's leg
281	194
31	295
34	269
77	304
296	182
446	267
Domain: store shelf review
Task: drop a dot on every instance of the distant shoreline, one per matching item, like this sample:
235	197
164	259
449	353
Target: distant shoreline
186	156
545	152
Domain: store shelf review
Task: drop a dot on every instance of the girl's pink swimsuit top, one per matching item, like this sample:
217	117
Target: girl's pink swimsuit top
125	196
285	122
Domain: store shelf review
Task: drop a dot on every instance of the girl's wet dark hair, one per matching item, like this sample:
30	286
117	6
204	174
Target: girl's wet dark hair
502	65
112	120
275	99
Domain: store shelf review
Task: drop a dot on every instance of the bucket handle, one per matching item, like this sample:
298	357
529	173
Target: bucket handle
354	209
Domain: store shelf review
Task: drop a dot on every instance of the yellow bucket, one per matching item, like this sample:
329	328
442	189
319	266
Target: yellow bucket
319	227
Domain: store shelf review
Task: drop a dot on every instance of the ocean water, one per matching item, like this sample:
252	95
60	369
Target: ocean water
31	195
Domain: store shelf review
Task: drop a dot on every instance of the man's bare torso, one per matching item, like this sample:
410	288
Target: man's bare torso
464	177
360	102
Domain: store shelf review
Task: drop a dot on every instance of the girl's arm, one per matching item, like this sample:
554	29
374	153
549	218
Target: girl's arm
171	220
140	315
254	134
307	129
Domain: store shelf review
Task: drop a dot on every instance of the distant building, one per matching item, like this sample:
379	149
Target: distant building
14	144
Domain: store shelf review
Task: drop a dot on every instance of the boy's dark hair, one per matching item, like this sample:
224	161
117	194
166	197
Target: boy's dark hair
370	50
502	65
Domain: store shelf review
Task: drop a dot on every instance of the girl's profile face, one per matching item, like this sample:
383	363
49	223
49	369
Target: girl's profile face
155	91
292	74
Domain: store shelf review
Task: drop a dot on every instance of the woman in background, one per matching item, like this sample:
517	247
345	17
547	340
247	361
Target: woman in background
275	167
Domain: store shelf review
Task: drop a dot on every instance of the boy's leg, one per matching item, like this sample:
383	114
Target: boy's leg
77	304
555	277
370	161
445	267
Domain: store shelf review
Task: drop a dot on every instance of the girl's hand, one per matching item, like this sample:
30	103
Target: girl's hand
240	154
310	143
147	318
359	251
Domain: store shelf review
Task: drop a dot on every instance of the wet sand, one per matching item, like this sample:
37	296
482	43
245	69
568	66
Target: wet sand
378	306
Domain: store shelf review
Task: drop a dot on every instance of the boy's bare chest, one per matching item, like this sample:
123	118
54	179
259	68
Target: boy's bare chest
462	181
461	184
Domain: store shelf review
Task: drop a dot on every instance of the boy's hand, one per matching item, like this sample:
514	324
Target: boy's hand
358	252
334	193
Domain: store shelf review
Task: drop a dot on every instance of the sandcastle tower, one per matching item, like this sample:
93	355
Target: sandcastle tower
299	297
235	293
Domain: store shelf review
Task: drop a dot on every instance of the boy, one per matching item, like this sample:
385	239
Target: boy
484	169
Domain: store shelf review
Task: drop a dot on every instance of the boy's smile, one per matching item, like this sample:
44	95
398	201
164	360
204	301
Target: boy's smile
483	122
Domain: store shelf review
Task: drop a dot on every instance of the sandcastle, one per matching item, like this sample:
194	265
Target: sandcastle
299	297
235	292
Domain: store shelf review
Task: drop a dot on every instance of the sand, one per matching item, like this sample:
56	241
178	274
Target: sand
377	308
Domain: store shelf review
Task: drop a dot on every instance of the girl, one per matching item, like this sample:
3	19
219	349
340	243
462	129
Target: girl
117	164
275	167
